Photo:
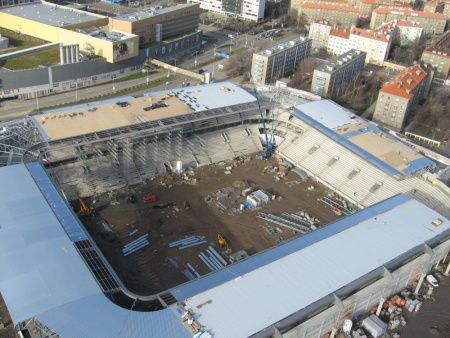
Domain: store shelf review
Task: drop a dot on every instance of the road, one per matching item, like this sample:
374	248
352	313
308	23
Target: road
11	109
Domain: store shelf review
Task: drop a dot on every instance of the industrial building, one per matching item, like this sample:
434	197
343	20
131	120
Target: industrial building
280	60
252	10
68	287
331	78
68	26
158	24
396	97
438	56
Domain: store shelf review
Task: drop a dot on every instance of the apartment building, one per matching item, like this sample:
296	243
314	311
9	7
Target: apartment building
433	6
408	32
432	23
252	10
336	14
396	97
157	25
375	43
338	41
332	78
280	60
366	7
438	56
319	32
446	8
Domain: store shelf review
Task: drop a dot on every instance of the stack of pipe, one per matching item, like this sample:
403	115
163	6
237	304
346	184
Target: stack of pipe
135	245
187	242
212	259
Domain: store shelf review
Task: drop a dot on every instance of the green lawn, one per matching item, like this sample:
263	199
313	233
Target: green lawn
19	41
45	58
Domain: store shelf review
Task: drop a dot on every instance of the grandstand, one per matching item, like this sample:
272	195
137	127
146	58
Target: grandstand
56	278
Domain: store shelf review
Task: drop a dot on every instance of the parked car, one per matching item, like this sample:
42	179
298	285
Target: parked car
432	280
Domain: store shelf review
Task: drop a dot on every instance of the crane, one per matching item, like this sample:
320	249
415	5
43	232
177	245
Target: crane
268	147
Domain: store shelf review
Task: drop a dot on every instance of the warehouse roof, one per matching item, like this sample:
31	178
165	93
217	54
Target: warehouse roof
362	137
142	15
43	276
50	14
290	277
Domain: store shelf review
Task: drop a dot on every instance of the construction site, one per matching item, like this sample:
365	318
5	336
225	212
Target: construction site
164	211
207	204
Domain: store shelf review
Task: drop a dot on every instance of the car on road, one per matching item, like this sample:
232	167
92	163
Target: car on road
432	280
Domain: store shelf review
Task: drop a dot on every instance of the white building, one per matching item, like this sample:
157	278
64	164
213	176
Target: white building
3	42
376	43
409	32
244	9
319	32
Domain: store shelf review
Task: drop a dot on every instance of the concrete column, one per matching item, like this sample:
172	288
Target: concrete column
77	53
333	332
422	276
62	60
447	271
380	306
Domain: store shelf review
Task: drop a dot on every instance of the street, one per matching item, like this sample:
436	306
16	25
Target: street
10	109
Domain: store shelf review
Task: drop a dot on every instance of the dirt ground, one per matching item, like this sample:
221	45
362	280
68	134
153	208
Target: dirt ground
5	319
433	319
148	271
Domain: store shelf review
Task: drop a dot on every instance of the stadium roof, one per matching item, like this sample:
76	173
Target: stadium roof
362	137
50	14
103	115
42	275
290	277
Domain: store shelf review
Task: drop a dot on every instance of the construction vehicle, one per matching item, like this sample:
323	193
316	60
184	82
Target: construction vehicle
223	244
85	208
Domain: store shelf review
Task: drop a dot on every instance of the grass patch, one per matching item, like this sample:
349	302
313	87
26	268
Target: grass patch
45	58
19	41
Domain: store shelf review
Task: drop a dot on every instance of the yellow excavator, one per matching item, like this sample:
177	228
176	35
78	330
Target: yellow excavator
223	244
85	209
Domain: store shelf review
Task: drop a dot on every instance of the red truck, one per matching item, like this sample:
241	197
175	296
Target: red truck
149	198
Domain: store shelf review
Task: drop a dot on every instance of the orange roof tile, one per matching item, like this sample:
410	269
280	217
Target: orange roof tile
328	6
340	32
409	12
404	83
370	34
408	23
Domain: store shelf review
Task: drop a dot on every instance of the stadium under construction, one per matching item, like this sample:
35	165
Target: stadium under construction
163	215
